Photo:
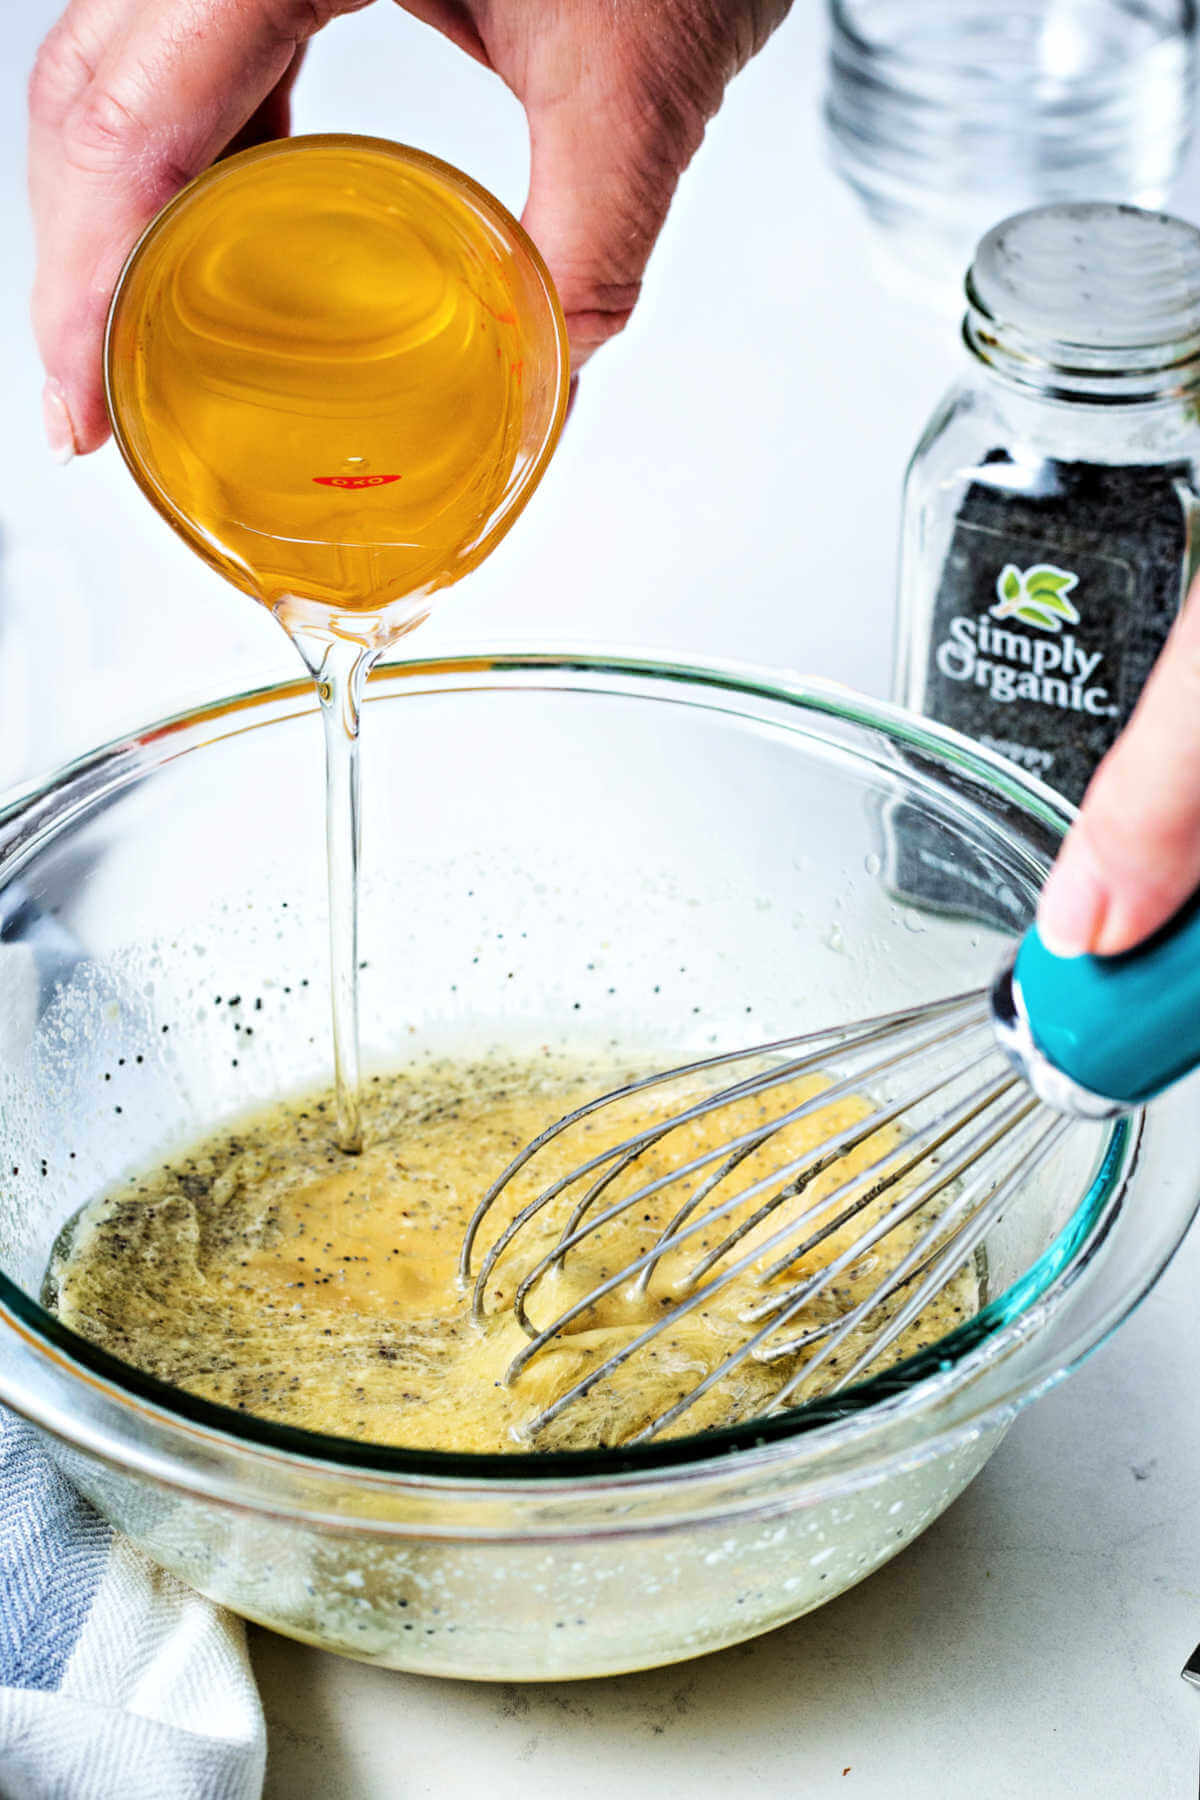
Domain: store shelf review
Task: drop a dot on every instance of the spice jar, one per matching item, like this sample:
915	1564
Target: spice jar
1050	508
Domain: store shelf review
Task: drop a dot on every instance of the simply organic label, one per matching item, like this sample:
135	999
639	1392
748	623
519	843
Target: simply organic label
1046	665
1034	633
1036	649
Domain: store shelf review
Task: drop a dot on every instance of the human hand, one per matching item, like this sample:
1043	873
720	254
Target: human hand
1133	856
132	98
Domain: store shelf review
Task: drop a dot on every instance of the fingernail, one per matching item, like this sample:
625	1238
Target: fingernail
1073	903
60	433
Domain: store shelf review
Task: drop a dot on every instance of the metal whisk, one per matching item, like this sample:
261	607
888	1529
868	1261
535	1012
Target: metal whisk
987	1087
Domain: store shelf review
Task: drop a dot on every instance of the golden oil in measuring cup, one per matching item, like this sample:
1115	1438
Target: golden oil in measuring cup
338	367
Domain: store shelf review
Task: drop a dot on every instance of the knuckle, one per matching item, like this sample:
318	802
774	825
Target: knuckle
106	136
589	328
595	309
688	54
582	290
102	132
675	103
302	19
61	70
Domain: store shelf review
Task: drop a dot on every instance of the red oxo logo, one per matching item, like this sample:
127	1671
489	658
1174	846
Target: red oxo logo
355	481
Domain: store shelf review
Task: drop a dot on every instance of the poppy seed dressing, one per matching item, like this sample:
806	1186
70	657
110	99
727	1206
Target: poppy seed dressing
269	1271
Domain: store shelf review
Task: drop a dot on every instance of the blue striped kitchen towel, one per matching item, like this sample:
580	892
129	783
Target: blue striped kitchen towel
117	1682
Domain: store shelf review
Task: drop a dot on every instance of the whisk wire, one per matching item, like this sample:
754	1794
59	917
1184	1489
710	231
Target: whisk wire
920	1147
972	1133
789	1174
941	1177
850	1139
960	1247
801	1296
791	1302
846	1141
815	1103
943	1230
541	1337
829	1037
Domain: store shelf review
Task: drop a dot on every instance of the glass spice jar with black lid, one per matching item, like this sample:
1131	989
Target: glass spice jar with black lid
1050	509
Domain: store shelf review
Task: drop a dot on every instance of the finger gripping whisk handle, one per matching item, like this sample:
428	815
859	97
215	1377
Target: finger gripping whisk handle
1120	1028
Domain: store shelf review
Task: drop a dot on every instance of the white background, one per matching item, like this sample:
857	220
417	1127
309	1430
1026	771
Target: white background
728	484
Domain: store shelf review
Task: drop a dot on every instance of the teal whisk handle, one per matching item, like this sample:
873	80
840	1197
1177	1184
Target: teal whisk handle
1100	1034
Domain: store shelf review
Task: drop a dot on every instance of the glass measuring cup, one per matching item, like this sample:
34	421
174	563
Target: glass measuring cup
338	368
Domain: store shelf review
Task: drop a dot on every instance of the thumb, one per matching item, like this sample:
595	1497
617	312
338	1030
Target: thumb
617	107
1133	856
597	201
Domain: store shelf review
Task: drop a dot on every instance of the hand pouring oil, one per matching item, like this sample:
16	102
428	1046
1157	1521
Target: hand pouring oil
338	368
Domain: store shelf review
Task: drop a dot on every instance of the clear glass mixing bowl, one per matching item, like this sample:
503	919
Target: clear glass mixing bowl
560	850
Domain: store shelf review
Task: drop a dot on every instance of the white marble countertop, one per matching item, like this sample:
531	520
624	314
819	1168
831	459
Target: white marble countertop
729	484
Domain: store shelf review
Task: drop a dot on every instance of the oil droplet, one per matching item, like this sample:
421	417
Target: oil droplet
872	863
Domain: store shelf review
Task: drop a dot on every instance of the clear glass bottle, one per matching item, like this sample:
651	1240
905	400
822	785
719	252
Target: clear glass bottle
945	118
1050	510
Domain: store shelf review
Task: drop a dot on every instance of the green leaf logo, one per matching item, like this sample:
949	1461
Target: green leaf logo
1036	596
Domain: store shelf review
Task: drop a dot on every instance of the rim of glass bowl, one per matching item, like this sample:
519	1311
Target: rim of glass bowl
919	1384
